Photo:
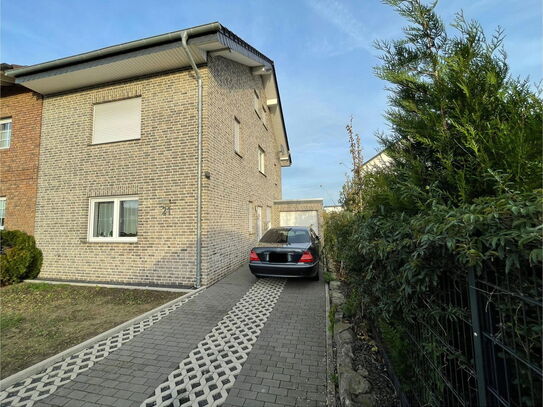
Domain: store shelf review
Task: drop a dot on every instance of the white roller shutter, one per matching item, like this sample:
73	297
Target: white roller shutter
117	121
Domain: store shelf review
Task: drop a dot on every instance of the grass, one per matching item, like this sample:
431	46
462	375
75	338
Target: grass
39	320
328	276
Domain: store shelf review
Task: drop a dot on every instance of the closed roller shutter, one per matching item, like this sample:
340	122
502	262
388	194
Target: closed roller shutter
117	121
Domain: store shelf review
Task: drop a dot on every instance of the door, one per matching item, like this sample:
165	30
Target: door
300	218
259	222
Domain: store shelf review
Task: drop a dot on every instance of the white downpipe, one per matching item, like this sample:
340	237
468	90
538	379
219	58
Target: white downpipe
198	281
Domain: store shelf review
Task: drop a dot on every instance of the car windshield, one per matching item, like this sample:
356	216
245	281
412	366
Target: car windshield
286	235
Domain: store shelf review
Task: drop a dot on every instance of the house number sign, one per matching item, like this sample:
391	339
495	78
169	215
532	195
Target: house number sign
166	207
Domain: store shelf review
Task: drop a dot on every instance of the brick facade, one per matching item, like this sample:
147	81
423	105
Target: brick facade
160	169
236	186
19	162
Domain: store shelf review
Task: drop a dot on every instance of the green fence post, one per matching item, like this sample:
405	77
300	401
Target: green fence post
477	339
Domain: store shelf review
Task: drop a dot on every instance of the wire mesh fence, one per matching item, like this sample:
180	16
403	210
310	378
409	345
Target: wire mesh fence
478	342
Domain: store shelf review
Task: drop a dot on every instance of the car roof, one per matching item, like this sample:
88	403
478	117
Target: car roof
292	227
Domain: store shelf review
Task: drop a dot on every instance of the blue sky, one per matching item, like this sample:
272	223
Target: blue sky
322	50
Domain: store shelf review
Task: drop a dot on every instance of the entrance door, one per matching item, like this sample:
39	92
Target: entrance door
259	222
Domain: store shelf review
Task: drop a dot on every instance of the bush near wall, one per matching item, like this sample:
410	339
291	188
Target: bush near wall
20	259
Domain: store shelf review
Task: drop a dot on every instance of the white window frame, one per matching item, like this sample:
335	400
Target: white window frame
116	210
4	199
7	120
237	136
261	160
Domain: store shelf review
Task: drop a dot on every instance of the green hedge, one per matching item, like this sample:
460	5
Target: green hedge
397	260
20	259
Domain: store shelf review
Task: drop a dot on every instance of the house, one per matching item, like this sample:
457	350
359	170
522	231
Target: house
160	158
20	124
333	208
378	160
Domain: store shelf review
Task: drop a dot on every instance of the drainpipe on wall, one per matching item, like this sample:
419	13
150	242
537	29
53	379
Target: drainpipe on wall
198	280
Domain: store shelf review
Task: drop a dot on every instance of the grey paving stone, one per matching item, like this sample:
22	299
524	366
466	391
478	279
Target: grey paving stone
286	366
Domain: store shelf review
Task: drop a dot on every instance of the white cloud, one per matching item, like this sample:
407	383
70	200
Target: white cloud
357	36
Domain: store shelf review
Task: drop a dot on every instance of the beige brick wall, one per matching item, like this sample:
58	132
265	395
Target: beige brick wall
236	185
160	166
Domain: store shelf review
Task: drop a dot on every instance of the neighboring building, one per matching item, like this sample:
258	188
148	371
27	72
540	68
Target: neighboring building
299	212
20	124
119	163
333	208
378	160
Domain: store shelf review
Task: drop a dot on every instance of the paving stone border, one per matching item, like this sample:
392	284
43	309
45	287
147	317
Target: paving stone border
354	389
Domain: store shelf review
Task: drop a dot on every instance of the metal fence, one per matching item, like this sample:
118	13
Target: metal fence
479	343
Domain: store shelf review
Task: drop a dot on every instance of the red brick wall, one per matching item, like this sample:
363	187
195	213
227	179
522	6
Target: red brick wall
19	163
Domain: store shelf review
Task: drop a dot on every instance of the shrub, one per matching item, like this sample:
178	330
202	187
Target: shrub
20	259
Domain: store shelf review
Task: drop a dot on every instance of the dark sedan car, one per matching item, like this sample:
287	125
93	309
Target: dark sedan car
290	251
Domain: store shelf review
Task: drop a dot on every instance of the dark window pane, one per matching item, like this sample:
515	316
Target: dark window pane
128	219
286	235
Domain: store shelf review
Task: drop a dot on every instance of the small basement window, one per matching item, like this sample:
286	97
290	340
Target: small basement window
113	219
117	121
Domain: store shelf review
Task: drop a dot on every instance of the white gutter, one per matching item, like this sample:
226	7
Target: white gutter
198	279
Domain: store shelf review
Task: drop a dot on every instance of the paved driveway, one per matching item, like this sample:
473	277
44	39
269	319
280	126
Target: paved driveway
241	342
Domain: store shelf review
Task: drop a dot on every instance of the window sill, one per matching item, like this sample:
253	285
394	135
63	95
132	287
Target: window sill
113	240
113	142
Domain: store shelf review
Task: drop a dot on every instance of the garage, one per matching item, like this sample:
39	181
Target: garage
300	218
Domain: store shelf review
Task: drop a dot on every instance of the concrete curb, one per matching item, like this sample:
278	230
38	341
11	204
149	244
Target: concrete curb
330	385
128	287
44	364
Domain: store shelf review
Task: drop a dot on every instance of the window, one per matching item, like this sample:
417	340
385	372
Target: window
2	212
5	133
268	217
264	117
256	102
261	160
259	222
286	235
117	121
236	135
113	219
251	217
